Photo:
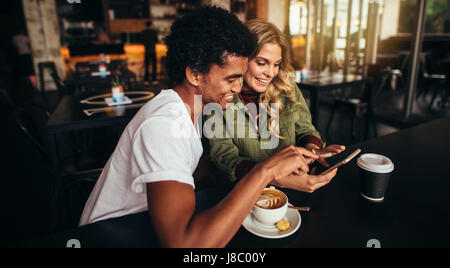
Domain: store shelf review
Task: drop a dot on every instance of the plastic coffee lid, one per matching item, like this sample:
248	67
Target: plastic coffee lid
375	163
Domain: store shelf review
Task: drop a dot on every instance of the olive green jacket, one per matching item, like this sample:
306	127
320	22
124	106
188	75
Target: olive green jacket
229	149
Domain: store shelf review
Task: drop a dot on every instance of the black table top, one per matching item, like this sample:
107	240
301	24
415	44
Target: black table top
416	210
69	115
415	213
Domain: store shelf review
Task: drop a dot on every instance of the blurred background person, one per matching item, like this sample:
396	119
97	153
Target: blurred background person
149	37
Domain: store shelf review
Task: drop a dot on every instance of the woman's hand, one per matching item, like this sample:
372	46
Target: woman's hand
305	182
326	152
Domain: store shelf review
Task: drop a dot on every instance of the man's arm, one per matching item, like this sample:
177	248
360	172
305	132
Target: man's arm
172	204
177	225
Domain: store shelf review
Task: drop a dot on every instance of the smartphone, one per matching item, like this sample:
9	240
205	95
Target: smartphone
343	162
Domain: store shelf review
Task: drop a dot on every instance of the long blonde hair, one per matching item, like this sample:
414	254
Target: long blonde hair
283	83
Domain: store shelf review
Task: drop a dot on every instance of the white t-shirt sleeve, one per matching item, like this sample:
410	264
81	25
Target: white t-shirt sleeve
157	156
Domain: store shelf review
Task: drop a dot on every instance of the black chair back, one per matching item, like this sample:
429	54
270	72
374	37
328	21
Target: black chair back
50	66
27	190
32	119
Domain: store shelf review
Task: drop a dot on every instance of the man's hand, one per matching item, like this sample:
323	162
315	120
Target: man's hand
289	160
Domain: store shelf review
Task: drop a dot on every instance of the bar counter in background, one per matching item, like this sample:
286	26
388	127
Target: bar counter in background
134	54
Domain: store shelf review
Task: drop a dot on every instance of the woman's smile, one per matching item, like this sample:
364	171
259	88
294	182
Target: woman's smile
264	67
263	81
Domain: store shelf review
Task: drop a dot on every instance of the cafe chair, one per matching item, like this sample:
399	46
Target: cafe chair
438	84
392	76
433	79
396	79
32	118
354	103
27	204
50	66
355	107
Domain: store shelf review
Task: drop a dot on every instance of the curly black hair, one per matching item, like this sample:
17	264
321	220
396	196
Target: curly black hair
203	37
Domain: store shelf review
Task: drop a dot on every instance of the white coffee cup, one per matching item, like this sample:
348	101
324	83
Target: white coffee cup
269	211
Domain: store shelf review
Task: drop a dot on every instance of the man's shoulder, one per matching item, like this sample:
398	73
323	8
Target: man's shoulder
162	110
166	100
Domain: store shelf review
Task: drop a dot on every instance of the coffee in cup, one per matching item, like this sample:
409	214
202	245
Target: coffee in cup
375	172
271	206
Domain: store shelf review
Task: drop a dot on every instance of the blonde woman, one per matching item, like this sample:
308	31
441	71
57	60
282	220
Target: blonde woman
269	91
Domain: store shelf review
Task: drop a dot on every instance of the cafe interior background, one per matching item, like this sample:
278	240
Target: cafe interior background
402	44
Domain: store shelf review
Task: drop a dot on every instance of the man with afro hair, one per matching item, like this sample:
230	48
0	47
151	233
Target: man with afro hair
152	165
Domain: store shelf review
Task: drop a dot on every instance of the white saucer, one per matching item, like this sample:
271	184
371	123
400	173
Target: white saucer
252	225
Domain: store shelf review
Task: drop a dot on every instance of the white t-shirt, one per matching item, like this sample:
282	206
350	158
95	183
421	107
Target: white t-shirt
159	144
